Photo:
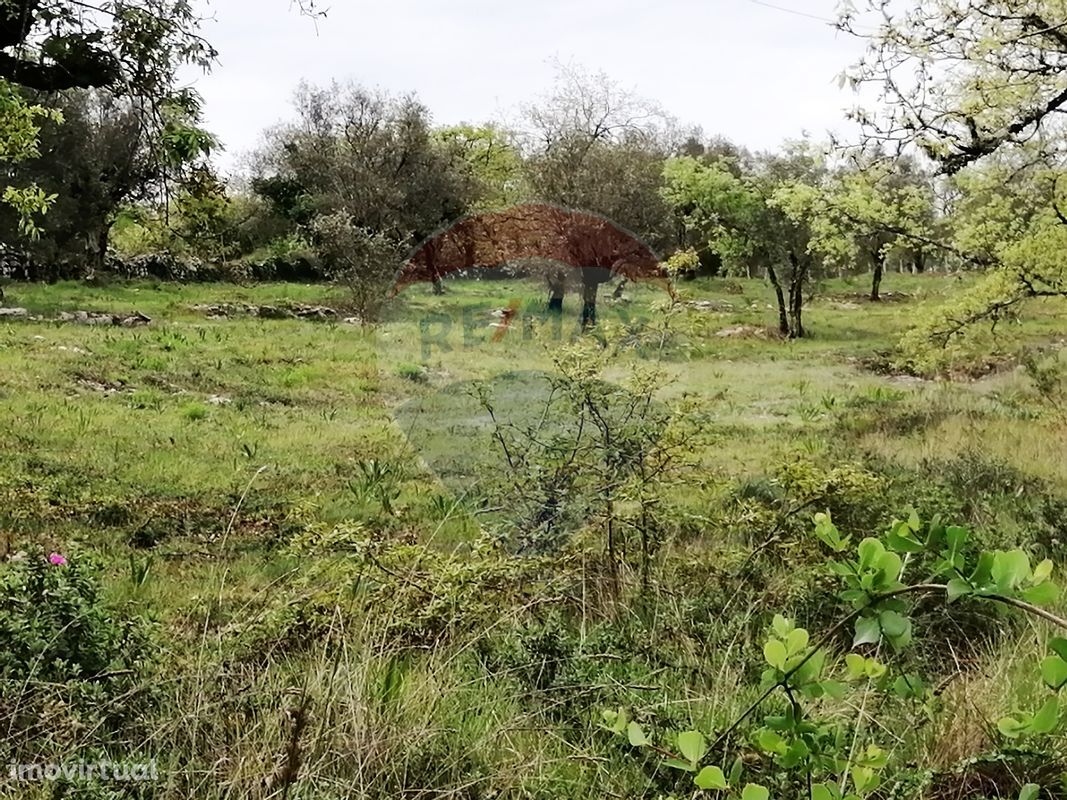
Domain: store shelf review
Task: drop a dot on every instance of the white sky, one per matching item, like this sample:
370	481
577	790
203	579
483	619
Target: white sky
738	68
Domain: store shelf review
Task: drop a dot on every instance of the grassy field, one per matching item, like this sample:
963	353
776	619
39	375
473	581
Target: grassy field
303	534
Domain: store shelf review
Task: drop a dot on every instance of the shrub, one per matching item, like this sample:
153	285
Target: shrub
68	661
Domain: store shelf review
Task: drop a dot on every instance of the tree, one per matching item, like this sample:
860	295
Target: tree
753	221
593	146
108	152
493	160
369	156
128	49
863	214
962	79
996	95
364	261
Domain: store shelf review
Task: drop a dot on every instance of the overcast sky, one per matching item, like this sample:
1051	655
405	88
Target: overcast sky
754	73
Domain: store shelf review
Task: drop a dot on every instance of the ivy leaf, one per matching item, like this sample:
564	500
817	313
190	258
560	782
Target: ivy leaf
692	745
711	778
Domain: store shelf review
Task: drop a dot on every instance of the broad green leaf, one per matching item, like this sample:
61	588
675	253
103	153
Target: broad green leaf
775	653
867	631
864	779
957	588
636	734
1009	569
956	537
781	626
1012	727
692	745
796	755
771	742
1029	792
811	669
1043	571
833	689
711	778
1059	647
677	763
1041	594
893	624
825	791
856	666
914	522
889	564
616	721
875	669
897	628
1047	717
754	791
797	641
869	551
736	769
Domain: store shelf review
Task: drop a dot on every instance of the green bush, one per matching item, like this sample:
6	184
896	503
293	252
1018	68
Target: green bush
70	663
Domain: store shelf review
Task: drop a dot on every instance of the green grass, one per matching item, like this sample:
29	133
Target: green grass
198	451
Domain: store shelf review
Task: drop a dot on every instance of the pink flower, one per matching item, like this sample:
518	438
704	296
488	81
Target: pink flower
57	559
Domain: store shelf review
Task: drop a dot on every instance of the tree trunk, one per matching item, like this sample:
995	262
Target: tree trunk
796	297
589	291
438	284
876	281
783	317
918	263
97	262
